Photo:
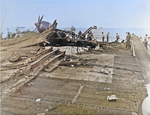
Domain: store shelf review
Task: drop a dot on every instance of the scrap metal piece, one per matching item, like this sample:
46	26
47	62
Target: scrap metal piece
70	63
40	113
43	35
33	69
49	68
14	57
28	60
56	37
112	98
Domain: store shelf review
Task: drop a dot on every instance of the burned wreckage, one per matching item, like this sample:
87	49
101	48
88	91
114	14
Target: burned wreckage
37	70
29	67
56	37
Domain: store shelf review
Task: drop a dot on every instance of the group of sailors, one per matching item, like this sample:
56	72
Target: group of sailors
127	40
107	37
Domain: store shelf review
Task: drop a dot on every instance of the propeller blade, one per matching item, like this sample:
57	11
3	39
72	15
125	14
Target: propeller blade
41	19
35	29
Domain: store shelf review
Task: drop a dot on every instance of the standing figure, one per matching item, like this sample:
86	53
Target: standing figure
146	41
1	34
89	37
107	36
79	33
128	38
103	37
132	34
117	37
8	34
92	36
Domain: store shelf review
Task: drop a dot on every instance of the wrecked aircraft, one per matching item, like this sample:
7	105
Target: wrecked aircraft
56	37
41	25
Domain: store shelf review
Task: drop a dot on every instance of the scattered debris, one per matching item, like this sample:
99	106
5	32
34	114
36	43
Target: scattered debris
15	57
46	110
38	100
28	67
56	37
52	66
30	83
133	113
72	65
29	72
33	52
40	114
112	98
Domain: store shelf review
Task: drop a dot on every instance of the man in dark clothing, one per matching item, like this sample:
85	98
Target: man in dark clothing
128	38
103	37
107	36
79	33
117	37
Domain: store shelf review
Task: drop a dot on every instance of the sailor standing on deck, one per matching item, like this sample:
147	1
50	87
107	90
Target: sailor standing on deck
146	41
107	36
117	37
79	33
89	35
128	38
132	34
1	35
103	37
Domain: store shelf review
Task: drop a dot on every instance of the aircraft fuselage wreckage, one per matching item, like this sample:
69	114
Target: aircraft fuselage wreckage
41	25
50	36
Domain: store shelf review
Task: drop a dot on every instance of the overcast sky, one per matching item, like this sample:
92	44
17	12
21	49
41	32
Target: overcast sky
79	13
